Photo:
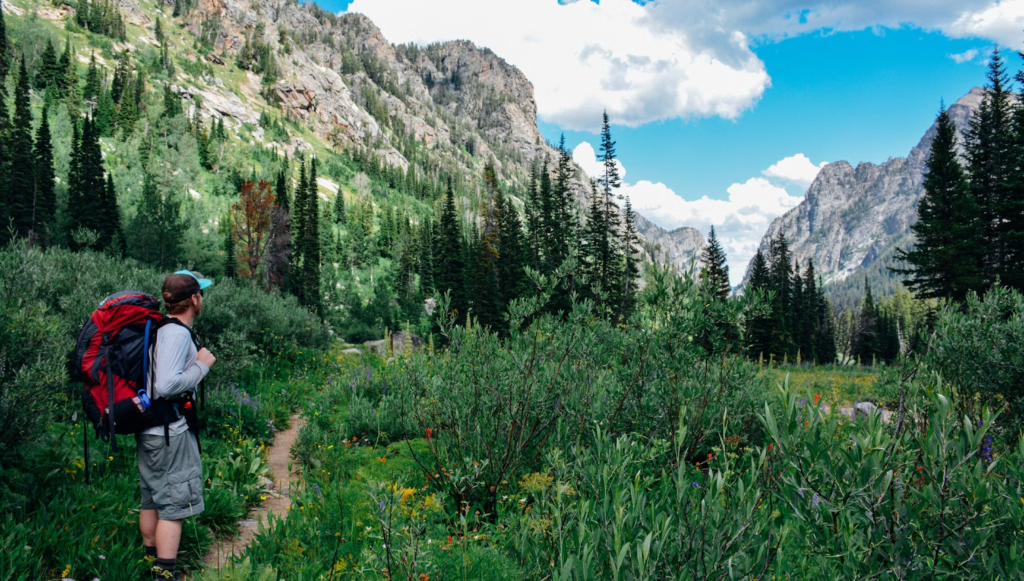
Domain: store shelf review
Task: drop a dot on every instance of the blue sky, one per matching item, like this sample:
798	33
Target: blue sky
854	96
724	110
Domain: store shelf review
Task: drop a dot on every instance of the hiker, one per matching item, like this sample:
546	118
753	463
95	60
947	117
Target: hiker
170	471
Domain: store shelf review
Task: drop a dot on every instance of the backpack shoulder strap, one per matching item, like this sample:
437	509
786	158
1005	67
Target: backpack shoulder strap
173	321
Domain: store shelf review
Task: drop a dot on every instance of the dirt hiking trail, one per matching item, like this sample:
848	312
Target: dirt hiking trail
279	459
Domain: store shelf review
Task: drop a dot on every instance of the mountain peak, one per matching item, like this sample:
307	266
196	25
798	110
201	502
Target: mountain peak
852	216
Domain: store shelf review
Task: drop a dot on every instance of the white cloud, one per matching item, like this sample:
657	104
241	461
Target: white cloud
584	57
795	169
585	157
964	57
1002	22
740	221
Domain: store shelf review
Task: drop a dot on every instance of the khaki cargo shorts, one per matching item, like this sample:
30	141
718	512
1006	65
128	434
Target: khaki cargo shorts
170	475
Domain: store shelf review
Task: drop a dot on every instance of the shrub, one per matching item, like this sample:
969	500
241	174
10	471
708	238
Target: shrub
979	351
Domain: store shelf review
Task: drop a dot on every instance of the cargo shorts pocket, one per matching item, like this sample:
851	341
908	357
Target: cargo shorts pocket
186	487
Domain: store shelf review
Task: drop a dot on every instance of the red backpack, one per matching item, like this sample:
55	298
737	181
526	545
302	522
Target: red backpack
110	357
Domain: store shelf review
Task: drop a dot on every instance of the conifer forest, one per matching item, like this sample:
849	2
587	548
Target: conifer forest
446	352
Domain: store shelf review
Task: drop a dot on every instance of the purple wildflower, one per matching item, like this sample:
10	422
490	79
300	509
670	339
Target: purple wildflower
695	485
815	500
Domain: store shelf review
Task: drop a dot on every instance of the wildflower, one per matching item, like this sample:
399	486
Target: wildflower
696	485
817	398
709	455
103	557
769	447
382	459
430	434
815	500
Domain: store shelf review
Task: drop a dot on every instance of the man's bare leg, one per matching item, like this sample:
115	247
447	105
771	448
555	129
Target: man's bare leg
168	536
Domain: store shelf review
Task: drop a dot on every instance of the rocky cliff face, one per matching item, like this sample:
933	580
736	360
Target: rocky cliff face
341	77
680	247
851	216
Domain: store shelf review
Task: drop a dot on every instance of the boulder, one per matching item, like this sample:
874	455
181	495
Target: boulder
396	344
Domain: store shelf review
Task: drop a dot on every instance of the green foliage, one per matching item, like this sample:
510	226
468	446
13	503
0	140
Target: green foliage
978	350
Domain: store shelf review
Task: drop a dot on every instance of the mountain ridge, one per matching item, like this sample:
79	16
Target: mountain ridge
850	216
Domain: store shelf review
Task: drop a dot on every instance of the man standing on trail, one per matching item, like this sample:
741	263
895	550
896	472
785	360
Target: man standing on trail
170	471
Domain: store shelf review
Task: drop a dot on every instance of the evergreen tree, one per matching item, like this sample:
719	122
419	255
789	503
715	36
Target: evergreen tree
281	191
111	234
1012	208
426	260
45	201
945	258
809	315
594	238
158	228
631	271
795	319
759	327
230	253
5	49
781	268
989	152
106	111
172	103
715	273
93	83
449	258
21	179
866	347
311	244
513	256
68	80
48	68
339	208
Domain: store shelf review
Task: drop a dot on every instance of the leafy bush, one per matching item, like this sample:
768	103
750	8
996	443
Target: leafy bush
491	408
979	350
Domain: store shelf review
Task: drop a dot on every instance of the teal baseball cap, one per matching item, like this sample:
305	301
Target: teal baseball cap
204	283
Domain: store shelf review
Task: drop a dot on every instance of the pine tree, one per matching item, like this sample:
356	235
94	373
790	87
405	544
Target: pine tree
339	208
449	257
45	201
230	253
46	74
311	244
158	228
281	191
594	238
106	112
945	258
68	80
988	145
426	260
809	321
112	236
715	273
781	268
513	253
631	272
759	327
866	345
21	180
795	320
172	102
5	49
93	84
1012	208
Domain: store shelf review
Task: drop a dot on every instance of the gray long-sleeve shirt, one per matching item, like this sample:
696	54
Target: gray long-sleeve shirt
175	370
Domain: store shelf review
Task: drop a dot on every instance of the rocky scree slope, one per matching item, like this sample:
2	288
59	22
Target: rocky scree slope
851	216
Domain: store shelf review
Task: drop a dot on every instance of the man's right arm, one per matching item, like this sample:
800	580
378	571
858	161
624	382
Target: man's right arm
174	373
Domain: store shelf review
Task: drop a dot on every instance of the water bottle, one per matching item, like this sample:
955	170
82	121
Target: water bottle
144	400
